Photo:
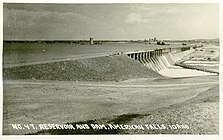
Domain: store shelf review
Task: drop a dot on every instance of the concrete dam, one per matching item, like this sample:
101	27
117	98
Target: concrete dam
163	61
116	67
160	58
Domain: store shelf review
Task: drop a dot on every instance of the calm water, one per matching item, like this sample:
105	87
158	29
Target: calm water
17	53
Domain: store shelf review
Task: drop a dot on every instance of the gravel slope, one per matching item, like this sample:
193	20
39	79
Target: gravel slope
200	113
108	68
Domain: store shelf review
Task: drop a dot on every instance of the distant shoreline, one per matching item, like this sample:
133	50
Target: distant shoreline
109	41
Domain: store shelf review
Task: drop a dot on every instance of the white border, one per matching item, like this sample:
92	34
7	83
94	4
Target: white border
1	56
116	137
111	1
220	70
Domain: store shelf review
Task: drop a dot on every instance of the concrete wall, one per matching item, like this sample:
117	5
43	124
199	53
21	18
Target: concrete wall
160	58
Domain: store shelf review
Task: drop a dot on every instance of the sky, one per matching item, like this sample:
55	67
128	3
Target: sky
110	21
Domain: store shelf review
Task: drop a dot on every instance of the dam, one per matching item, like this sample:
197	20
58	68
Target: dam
112	67
163	61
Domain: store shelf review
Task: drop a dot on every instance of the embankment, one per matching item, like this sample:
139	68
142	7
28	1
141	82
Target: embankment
108	68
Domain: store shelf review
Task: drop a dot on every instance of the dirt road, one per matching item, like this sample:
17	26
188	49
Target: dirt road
38	102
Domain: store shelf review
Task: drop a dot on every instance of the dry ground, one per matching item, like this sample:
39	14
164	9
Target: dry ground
38	102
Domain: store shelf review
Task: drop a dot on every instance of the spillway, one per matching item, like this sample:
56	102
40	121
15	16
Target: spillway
163	61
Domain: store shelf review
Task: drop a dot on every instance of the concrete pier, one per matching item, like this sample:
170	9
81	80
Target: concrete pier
160	59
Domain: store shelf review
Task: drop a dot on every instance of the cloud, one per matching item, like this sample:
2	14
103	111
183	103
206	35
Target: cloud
78	21
135	18
20	23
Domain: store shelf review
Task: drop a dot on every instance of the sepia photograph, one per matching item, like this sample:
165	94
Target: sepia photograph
110	69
